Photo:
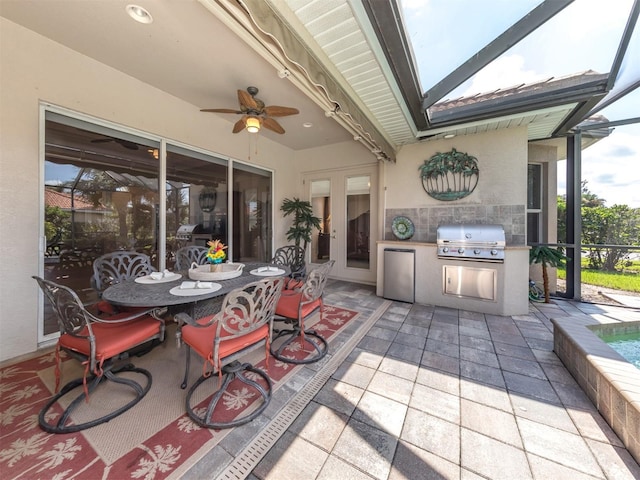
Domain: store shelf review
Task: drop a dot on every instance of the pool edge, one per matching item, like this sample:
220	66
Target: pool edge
611	382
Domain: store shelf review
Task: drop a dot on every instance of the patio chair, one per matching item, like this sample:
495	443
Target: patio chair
243	324
115	267
185	256
103	346
291	256
294	307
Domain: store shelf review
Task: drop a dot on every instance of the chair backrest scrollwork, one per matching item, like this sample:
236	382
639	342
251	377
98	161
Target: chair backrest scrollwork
246	309
185	256
70	313
115	267
313	287
291	256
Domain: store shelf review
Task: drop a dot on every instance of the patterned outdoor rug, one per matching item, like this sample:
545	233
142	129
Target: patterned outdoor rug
150	441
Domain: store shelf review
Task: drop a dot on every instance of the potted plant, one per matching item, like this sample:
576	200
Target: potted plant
303	221
547	257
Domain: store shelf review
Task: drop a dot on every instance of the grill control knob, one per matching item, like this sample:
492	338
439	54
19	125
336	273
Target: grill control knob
445	249
494	252
461	250
477	251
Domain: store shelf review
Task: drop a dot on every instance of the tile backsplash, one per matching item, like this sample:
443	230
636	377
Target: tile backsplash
426	220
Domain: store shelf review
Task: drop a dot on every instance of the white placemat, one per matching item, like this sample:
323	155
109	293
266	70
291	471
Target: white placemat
168	277
188	289
267	271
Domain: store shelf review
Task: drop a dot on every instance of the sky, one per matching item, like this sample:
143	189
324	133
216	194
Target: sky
584	36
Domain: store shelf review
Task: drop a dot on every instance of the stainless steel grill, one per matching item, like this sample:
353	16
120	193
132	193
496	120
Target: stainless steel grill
186	232
483	243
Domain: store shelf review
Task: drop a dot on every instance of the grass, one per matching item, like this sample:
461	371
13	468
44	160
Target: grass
617	281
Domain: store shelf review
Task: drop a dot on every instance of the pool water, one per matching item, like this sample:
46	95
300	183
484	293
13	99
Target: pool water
627	345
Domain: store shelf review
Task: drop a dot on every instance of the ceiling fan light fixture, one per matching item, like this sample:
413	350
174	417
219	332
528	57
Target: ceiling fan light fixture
253	124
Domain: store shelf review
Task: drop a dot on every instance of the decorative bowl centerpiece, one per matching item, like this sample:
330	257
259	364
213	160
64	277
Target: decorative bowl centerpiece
226	271
216	270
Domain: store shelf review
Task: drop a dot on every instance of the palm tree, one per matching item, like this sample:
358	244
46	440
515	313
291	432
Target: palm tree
303	220
548	257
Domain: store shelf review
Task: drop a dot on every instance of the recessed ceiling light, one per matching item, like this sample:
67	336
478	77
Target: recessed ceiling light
139	14
307	124
449	135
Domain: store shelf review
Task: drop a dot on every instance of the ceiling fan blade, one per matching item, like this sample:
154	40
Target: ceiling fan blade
272	125
277	111
127	144
240	124
246	100
220	110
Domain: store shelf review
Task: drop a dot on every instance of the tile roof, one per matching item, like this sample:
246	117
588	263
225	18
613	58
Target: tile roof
541	86
53	198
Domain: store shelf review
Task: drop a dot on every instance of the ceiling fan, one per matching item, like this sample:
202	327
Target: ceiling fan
254	113
119	141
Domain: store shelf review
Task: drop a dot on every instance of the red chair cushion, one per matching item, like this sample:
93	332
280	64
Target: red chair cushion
105	307
289	303
113	339
292	284
201	339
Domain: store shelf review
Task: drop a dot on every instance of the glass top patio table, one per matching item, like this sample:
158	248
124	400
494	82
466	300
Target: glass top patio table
133	294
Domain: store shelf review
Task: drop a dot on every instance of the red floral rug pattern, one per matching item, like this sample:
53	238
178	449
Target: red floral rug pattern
27	452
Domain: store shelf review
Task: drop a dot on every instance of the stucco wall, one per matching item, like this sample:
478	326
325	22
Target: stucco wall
35	69
499	197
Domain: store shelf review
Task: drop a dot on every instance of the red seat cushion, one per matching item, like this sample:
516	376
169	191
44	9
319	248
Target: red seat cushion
105	307
292	284
201	339
113	339
289	303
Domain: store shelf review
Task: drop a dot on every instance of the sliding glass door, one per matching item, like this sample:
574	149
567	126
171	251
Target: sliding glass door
102	192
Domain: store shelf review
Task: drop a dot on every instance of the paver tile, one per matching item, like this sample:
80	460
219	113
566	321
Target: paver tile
411	462
490	422
367	448
381	412
492	458
558	446
443	438
390	386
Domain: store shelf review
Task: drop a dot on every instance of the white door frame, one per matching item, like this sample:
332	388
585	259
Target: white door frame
338	245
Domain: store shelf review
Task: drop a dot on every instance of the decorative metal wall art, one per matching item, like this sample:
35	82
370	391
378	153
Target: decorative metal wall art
449	176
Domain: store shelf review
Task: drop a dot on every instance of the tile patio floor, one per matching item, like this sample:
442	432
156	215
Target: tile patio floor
439	393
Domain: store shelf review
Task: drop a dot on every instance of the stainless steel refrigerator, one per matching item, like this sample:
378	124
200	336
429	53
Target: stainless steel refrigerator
399	274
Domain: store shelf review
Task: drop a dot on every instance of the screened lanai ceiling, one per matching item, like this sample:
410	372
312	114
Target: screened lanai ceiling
454	67
383	73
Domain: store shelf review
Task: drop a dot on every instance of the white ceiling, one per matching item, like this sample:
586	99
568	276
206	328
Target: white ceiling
191	54
186	52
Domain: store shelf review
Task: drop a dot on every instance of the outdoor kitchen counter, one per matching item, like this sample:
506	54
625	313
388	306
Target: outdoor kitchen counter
512	278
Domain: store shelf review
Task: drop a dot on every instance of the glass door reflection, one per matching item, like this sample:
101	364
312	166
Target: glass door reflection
358	201
321	204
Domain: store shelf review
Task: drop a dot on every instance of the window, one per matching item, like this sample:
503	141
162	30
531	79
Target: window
534	203
102	193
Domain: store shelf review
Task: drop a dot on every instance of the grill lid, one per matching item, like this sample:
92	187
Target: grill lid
185	231
472	234
471	241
